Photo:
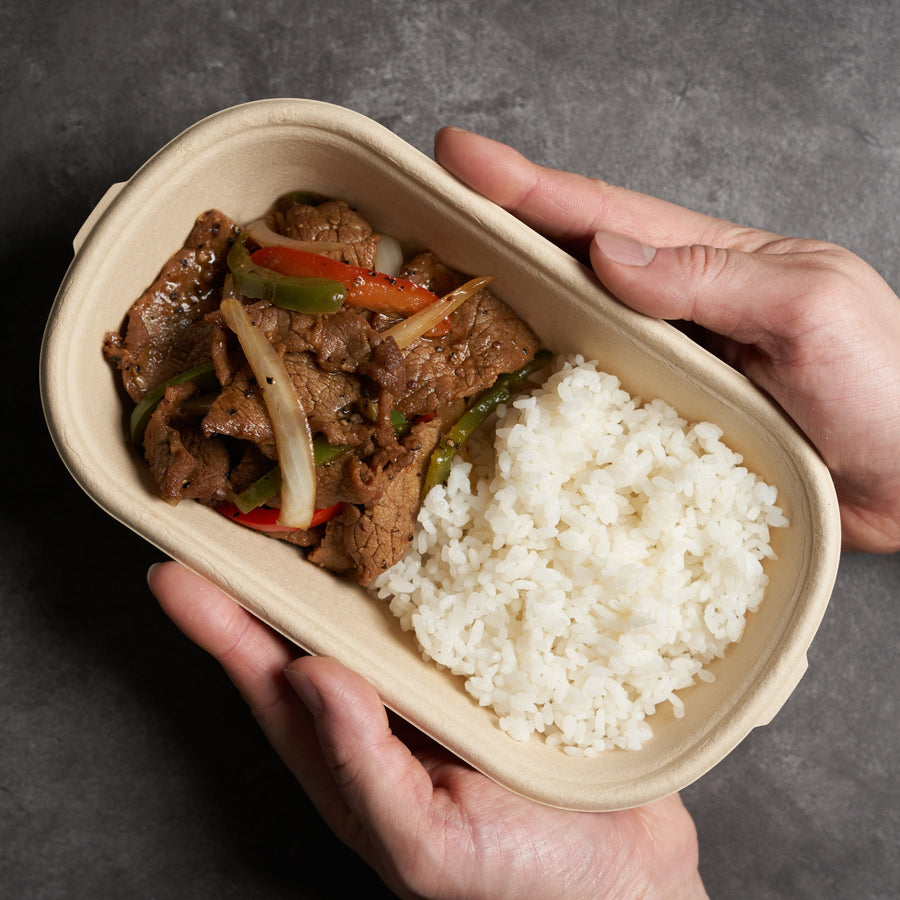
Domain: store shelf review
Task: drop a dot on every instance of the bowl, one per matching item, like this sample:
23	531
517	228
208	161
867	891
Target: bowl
239	160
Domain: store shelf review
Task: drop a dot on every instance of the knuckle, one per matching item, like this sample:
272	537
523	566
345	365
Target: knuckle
340	764
701	262
744	238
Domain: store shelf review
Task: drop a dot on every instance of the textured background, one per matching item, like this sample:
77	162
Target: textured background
779	114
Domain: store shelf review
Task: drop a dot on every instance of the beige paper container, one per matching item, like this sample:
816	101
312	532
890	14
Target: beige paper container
239	160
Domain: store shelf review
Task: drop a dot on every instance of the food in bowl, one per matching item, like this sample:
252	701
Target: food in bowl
278	375
238	160
585	568
577	574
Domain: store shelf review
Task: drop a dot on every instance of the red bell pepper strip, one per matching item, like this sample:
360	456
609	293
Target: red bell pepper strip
265	518
366	288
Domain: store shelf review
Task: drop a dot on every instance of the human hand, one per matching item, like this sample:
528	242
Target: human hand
809	322
427	823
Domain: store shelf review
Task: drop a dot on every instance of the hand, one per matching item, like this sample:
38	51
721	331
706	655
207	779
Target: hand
809	322
427	823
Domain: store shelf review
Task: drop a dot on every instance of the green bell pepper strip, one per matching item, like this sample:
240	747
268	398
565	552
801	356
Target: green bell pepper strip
267	486
262	489
475	413
299	293
323	452
400	423
204	376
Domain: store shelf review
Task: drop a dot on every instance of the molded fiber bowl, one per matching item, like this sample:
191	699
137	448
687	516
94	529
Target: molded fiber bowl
239	160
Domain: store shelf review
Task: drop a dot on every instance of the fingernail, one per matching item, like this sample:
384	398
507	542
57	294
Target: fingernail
152	569
305	690
622	249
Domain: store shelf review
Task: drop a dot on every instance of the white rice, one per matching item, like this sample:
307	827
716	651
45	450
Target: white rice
586	570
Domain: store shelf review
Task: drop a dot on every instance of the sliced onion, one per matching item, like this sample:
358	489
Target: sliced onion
265	237
413	327
292	435
388	256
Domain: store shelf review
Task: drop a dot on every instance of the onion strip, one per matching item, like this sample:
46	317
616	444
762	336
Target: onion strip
260	232
388	256
412	328
292	435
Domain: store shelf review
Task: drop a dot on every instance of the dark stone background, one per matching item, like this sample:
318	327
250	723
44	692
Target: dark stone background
783	115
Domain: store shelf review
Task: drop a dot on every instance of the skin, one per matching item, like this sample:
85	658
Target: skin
808	321
426	822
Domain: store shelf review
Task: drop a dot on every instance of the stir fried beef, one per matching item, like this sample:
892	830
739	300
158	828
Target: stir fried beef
426	269
333	220
166	332
186	464
378	410
486	340
366	540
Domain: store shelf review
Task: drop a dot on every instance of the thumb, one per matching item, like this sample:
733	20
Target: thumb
749	297
382	785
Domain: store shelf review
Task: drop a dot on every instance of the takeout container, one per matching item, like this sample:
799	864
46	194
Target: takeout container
239	160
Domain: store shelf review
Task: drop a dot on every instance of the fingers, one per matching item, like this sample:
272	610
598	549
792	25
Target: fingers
568	207
385	792
773	300
327	724
715	288
374	770
253	656
707	270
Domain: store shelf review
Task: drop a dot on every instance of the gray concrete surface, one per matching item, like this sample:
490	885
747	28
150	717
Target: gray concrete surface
779	114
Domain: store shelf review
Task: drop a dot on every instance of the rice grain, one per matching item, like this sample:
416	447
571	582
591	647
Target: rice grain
588	568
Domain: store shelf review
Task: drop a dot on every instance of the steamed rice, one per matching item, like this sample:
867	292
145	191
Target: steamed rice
587	567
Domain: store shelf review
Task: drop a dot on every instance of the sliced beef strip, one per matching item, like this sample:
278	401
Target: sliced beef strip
366	540
224	349
427	270
487	339
325	355
346	479
334	220
305	537
347	342
284	328
239	411
165	332
185	463
340	341
331	552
